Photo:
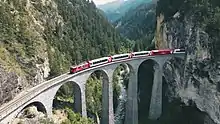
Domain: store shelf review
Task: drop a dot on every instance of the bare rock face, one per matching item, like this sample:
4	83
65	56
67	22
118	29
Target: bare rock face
10	85
24	60
197	77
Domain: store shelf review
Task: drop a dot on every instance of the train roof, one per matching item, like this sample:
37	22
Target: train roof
82	63
120	54
99	59
142	52
162	50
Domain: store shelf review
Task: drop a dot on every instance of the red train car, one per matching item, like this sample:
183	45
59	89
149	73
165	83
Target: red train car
161	52
79	67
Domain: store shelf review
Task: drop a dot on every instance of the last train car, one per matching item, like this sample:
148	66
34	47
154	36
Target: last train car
161	52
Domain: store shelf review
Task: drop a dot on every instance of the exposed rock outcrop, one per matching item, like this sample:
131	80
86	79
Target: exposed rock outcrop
23	58
31	115
197	77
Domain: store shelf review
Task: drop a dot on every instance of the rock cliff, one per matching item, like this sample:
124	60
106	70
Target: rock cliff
24	59
195	80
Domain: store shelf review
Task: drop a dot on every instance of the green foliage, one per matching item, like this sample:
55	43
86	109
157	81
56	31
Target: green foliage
66	93
20	39
94	95
46	121
116	87
74	118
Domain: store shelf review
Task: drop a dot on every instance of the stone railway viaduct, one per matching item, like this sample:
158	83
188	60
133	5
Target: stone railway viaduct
44	93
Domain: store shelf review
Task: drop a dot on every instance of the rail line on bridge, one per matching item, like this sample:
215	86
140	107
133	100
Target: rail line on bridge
27	95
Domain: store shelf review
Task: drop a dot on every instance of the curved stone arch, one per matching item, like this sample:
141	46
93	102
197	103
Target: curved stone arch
156	64
105	91
145	100
129	70
77	95
39	105
103	72
128	67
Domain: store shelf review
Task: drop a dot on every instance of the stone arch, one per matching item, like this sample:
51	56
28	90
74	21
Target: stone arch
75	91
145	77
120	90
128	67
152	61
39	105
101	75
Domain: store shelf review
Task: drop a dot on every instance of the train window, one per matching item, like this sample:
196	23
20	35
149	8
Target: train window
141	53
100	61
120	57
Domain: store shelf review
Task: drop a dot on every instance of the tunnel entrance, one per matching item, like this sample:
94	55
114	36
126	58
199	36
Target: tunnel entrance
145	83
68	98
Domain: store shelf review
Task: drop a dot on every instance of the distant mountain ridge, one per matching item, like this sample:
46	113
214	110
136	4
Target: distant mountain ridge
111	6
139	24
116	9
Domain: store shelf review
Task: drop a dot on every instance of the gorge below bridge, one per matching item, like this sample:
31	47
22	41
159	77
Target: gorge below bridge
43	94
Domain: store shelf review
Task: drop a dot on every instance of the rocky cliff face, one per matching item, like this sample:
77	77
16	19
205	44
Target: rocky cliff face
194	80
24	59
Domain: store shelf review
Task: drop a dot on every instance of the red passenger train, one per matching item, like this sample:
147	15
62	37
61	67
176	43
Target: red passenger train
120	57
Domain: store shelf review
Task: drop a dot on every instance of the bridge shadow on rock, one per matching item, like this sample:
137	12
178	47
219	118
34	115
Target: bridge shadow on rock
176	112
68	96
145	83
97	87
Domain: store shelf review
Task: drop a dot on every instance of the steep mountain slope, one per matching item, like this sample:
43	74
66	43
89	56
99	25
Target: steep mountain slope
117	9
194	81
42	38
139	24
